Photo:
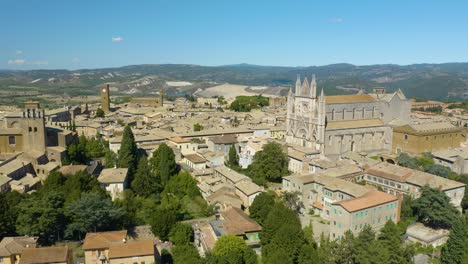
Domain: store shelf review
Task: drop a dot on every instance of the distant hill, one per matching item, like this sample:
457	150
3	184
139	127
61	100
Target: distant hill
431	81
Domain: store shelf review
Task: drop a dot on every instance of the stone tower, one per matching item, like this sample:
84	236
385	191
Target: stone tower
305	120
105	98
161	98
33	127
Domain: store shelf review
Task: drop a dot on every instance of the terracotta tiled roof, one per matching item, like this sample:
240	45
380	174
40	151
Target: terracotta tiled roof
238	223
44	255
14	245
344	99
103	239
72	169
195	158
370	199
179	140
354	124
131	249
227	139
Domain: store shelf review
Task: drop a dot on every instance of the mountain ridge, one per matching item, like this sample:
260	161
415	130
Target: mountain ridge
432	81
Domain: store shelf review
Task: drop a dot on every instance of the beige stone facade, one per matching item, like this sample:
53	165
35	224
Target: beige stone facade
431	137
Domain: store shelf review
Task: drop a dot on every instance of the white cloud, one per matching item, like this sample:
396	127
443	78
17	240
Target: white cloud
337	20
19	52
17	62
117	39
25	62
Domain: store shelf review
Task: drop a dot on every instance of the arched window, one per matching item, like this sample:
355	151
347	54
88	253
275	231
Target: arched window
354	113
333	114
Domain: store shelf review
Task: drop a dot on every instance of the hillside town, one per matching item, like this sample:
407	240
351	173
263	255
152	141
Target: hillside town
152	179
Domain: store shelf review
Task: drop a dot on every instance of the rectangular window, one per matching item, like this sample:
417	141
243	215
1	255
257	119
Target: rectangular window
11	141
339	226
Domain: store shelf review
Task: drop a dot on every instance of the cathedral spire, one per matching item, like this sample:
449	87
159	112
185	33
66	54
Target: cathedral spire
321	94
290	93
313	87
298	85
305	87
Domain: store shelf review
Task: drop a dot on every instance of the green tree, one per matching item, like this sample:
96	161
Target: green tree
185	253
197	127
110	159
145	183
434	208
162	222
181	234
289	237
406	161
392	243
234	249
457	244
438	170
42	216
293	201
270	164
233	158
100	113
308	254
163	163
92	213
128	152
8	206
261	206
278	216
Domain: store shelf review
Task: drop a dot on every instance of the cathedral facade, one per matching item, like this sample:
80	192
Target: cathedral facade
330	126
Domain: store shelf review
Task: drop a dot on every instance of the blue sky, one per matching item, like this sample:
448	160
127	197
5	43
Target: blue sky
62	34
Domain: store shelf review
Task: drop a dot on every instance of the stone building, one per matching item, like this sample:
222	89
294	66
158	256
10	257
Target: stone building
149	101
427	137
334	125
347	205
105	98
27	132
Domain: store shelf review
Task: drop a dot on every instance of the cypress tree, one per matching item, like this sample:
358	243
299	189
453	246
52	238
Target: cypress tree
455	251
128	152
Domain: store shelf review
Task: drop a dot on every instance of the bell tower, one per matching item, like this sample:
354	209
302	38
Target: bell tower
105	98
33	127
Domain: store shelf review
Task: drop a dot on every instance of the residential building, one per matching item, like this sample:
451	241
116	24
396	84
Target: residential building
12	247
221	144
114	181
396	180
195	161
232	221
131	252
46	255
455	159
96	245
347	205
374	208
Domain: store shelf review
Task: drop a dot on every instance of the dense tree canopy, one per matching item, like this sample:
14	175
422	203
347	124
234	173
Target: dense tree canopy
145	182
92	213
434	209
270	164
261	206
181	234
232	249
163	163
456	249
247	103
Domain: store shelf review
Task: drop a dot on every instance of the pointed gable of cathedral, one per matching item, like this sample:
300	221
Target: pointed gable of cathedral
305	88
